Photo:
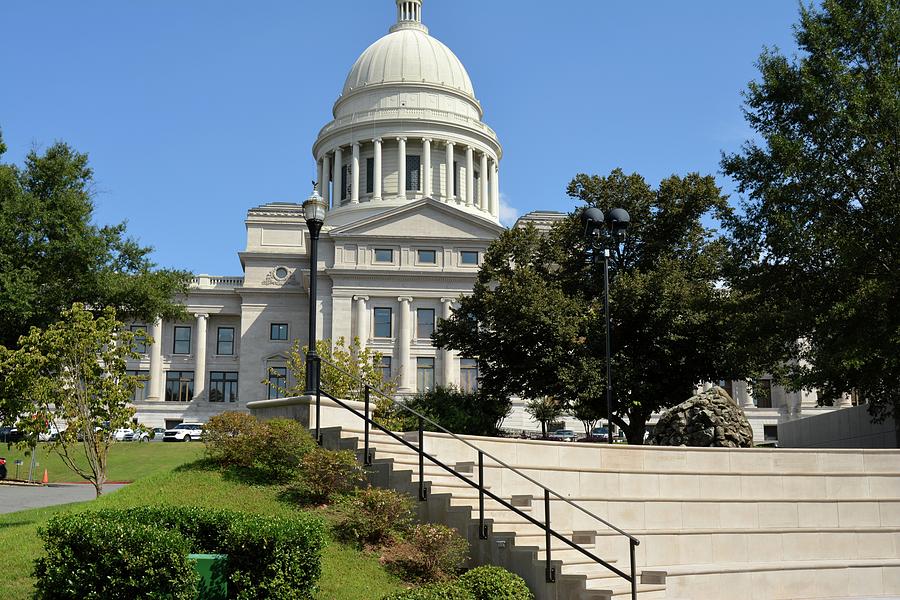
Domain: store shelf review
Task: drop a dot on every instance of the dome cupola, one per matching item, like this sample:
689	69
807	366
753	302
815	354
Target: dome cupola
408	113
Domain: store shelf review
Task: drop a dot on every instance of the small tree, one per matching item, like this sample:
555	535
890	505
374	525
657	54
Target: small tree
354	364
546	410
461	412
74	373
588	413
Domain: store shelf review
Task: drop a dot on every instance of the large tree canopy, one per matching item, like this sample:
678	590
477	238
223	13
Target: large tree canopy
817	244
52	254
535	319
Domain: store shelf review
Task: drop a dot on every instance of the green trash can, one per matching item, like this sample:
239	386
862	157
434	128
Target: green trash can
213	571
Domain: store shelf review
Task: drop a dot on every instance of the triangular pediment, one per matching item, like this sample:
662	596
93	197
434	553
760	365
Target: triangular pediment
426	218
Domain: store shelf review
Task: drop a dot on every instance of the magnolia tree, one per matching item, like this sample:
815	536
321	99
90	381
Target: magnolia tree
73	373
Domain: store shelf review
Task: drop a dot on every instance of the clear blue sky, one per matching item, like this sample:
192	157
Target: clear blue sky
193	111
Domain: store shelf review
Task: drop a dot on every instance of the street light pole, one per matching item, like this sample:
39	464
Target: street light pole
314	212
616	223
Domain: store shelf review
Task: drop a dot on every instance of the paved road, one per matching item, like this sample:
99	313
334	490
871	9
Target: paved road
14	498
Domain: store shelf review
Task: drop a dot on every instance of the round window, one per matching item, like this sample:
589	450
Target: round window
281	273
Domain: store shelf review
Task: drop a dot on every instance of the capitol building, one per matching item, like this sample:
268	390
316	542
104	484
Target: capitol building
411	175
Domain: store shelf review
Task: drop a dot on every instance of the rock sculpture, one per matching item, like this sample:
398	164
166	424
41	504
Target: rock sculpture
709	419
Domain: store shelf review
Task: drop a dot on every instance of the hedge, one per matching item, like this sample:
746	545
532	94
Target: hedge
268	557
494	583
435	591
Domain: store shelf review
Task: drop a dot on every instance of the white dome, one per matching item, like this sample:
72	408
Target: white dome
409	55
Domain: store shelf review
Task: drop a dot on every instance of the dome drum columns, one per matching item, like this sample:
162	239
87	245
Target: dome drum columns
477	188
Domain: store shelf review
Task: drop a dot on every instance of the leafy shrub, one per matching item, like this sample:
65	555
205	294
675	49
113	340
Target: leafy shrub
92	556
325	474
373	516
495	583
231	438
434	591
268	557
460	412
283	444
430	553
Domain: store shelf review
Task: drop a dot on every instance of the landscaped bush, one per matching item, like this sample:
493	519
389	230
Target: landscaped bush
373	516
430	553
434	591
284	442
495	583
268	557
90	555
325	474
461	412
231	438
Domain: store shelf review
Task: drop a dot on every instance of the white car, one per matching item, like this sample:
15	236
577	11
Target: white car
185	432
123	435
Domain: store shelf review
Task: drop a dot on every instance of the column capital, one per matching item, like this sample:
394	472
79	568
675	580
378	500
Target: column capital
401	139
449	143
361	298
355	144
427	139
201	315
377	140
448	300
405	299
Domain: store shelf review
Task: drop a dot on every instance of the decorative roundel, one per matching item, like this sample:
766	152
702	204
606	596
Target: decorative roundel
281	273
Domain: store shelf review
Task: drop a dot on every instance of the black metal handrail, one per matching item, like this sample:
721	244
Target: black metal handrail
482	491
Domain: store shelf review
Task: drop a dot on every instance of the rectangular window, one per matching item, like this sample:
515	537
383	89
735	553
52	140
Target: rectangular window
182	341
413	173
770	433
424	323
762	393
278	332
223	386
424	374
468	375
344	180
383	317
455	179
179	386
469	257
384	255
225	341
426	257
277	382
140	338
385	368
370	175
140	394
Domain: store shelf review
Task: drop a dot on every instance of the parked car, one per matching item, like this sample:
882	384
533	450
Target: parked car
123	435
157	434
185	432
564	435
2	468
51	435
142	435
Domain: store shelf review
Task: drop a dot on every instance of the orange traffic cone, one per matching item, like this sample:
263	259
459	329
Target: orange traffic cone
46	479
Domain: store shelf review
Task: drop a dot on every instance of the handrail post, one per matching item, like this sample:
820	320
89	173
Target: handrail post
367	460
551	574
633	572
422	494
482	529
318	374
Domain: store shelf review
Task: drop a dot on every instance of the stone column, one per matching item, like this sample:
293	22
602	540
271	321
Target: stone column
470	176
448	185
742	394
326	176
320	174
495	189
845	401
154	385
484	203
354	177
376	187
338	184
404	340
426	167
361	330
401	168
448	362
200	356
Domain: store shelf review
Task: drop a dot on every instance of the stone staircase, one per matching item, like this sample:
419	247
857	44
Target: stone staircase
511	541
713	524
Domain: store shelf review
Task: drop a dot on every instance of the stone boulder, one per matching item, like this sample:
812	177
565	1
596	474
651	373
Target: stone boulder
709	419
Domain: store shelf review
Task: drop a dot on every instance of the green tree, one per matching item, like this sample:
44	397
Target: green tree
817	246
535	319
52	254
465	413
545	411
73	373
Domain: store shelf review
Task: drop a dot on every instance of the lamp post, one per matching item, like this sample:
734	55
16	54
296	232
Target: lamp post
616	223
314	211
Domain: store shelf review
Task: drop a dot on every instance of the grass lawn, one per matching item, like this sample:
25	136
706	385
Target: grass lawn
347	573
128	461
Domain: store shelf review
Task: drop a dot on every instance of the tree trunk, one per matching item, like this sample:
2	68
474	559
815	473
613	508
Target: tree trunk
544	429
